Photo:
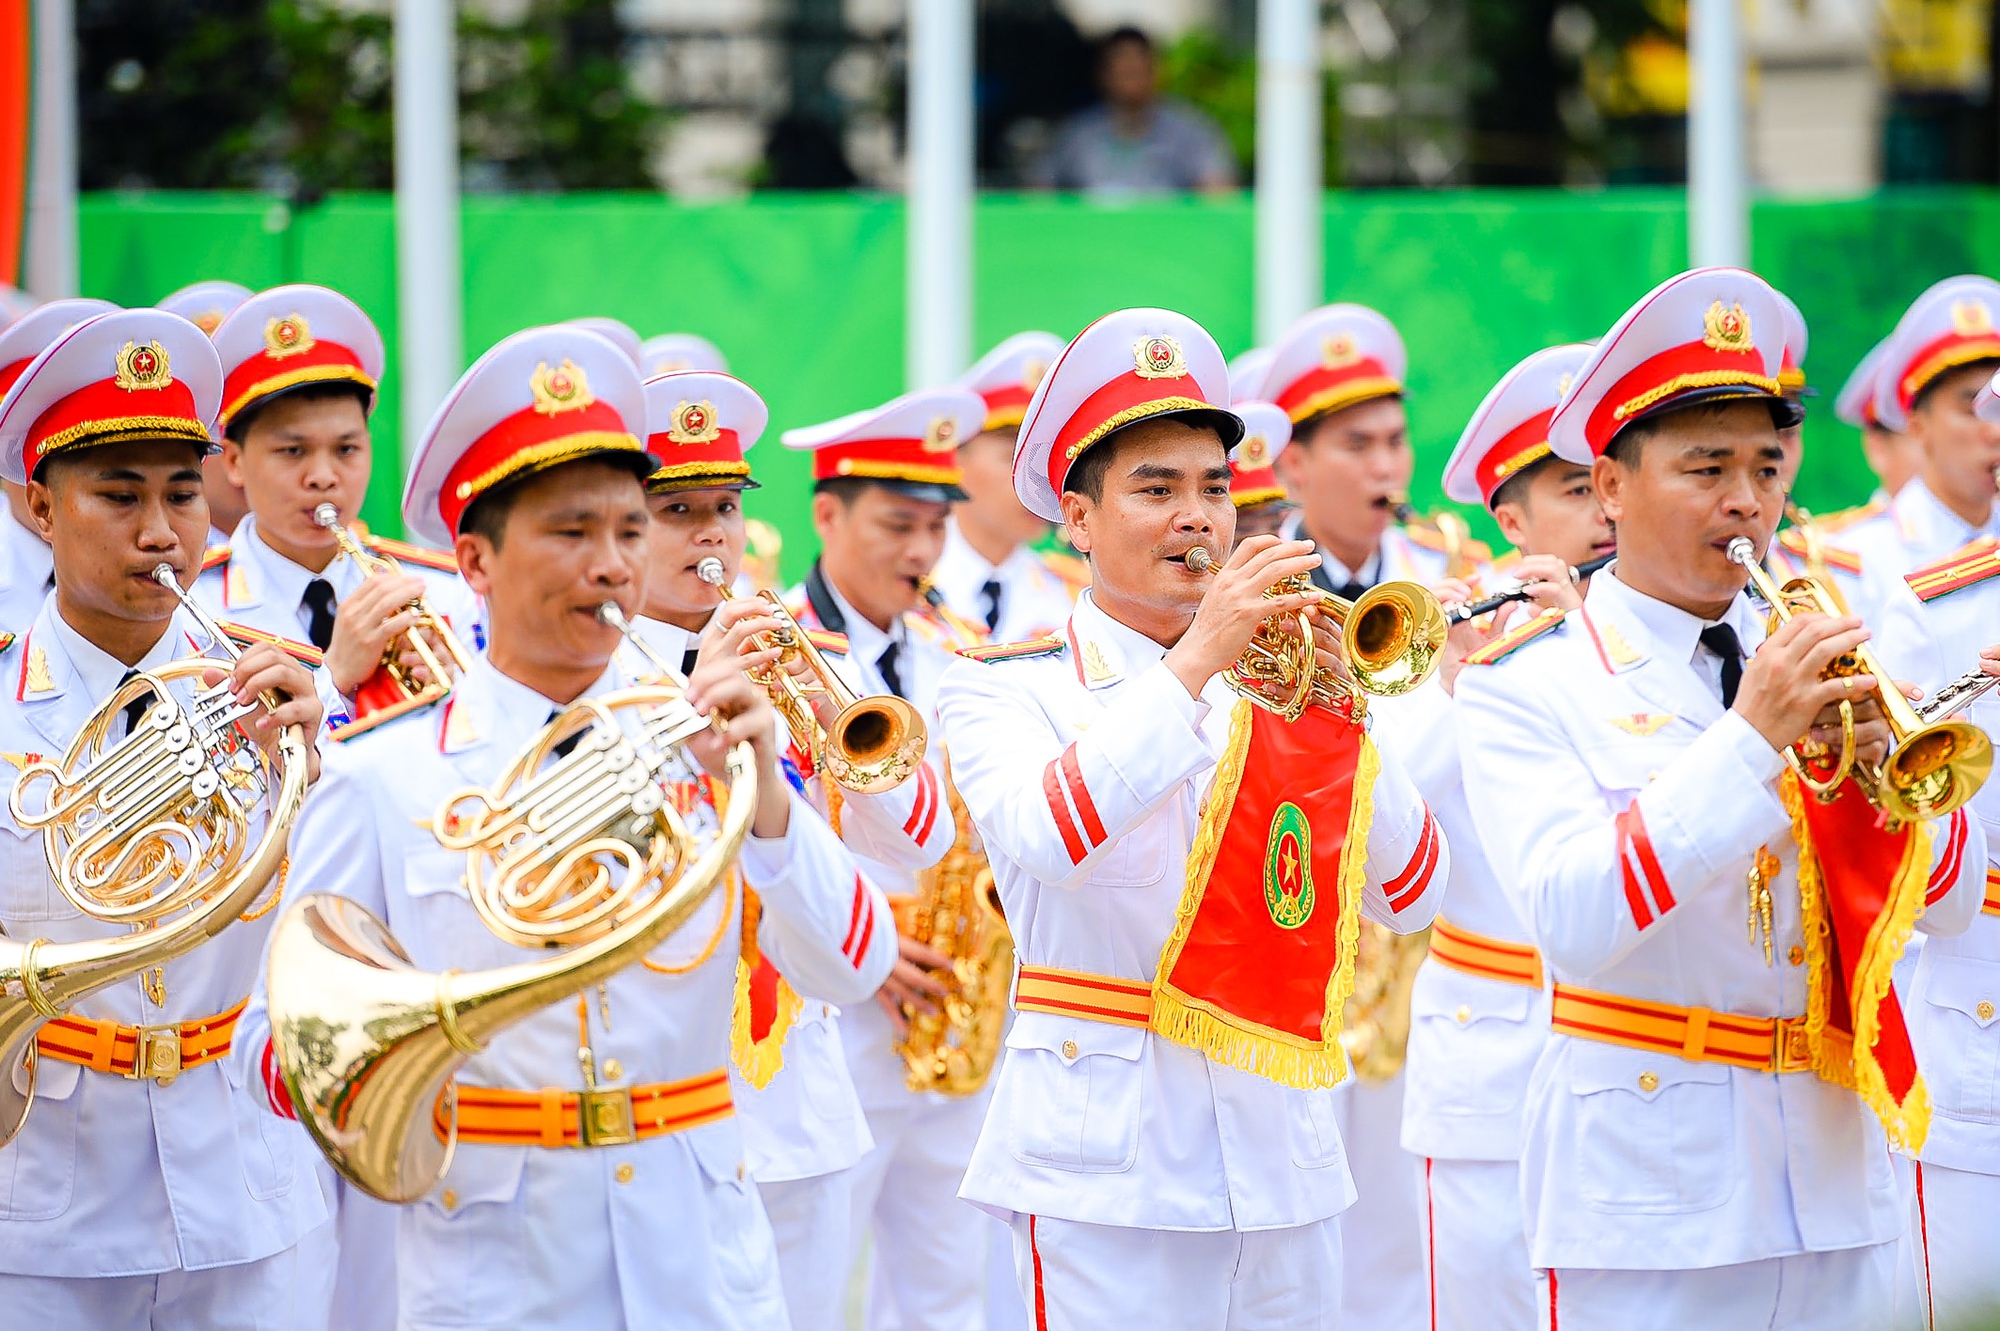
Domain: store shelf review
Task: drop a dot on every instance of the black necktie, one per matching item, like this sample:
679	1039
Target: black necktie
565	747
1721	639
991	591
886	664
135	711
318	602
687	662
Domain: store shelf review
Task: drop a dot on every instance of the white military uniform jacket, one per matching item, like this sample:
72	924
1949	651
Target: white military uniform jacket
1952	1000
1400	556
1034	598
1915	529
1622	808
26	567
1473	1039
924	651
1107	1124
807	1120
255	586
533	1236
109	1176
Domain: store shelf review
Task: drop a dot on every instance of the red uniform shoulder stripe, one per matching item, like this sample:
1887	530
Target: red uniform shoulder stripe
1409	884
1846	561
405	553
1971	563
213	556
1514	638
1646	890
828	642
300	651
1059	808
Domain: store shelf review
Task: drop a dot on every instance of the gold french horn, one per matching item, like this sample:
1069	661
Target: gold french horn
572	847
1391	634
153	832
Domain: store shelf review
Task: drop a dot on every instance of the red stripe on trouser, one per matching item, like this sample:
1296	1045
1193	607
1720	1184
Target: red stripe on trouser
1041	1301
1431	1240
1552	1299
1924	1245
1059	810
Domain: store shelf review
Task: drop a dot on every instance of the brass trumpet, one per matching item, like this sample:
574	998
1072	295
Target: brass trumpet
1932	768
873	745
1391	635
574	847
151	832
402	684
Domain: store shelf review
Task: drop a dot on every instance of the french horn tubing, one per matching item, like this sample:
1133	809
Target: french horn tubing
572	847
873	745
152	832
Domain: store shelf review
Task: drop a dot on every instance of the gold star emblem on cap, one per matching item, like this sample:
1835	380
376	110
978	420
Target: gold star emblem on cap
563	388
1253	452
940	436
1971	318
142	367
1726	328
1338	350
290	335
1159	358
694	423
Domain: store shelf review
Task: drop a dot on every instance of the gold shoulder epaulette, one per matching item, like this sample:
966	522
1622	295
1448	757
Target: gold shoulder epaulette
1963	567
1012	651
1844	560
6	641
244	635
828	642
1072	569
214	556
402	707
405	553
1848	517
1427	536
1515	637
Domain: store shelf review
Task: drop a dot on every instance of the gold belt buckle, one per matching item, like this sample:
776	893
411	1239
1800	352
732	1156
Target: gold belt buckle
604	1116
1791	1051
156	1056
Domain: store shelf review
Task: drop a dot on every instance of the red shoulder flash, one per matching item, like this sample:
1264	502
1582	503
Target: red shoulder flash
1515	638
1963	567
214	557
405	553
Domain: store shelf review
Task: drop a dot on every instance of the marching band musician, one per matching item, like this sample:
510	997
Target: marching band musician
143	1191
1255	491
27	570
534	467
1890	454
989	572
1690	1155
884	482
803	1127
1942	352
1479	1011
206	305
1146	1182
301	365
1816	546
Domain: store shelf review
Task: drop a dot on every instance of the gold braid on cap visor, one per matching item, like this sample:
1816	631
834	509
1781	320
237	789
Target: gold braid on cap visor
1681	383
1139	413
278	383
545	455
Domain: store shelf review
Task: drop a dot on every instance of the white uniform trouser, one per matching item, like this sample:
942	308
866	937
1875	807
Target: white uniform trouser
1382	1234
263	1295
348	1265
810	1220
1479	1274
1848	1290
1957	1254
1075	1276
930	1247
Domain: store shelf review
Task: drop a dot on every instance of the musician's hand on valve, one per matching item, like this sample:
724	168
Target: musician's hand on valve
1871	729
719	688
364	624
737	622
1235	604
265	669
915	980
1783	696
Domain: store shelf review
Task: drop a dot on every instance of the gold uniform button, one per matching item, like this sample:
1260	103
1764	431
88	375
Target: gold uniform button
1985	1010
740	1171
1797	956
613	1069
1464	1013
623	1173
450	1200
1649	1082
1069	1049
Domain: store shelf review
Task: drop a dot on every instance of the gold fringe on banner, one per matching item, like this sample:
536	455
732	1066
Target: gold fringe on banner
760	1060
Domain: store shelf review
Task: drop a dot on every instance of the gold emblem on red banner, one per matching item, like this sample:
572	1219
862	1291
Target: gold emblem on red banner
1288	879
289	336
694	423
1159	358
563	388
142	367
1726	328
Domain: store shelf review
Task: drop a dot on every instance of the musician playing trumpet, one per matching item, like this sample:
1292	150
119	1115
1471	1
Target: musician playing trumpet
639	1212
301	366
143	1190
1705	1135
1149	1181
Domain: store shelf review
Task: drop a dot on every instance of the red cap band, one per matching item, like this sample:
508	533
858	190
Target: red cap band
1683	369
1522	446
890	460
264	374
1324	388
102	412
529	440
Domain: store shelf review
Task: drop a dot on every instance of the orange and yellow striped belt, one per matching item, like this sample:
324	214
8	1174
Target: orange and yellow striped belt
599	1116
1488	958
1104	998
153	1053
1701	1035
1992	904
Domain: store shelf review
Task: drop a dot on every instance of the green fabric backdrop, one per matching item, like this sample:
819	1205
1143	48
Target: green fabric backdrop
805	294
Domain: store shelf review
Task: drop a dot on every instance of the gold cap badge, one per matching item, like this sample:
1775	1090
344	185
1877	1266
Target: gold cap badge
1338	351
1253	453
1159	358
562	389
288	336
1726	328
208	321
142	367
940	436
694	423
1032	373
1971	318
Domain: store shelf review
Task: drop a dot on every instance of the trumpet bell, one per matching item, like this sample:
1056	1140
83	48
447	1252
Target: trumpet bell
1393	634
1936	770
874	744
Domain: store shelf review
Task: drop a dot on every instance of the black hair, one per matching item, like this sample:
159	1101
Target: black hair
1086	475
1923	396
487	515
1123	35
1514	490
239	424
846	489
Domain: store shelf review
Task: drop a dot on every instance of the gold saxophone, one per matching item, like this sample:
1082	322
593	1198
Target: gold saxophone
956	910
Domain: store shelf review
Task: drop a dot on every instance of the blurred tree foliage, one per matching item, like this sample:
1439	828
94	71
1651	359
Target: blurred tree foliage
294	96
1220	77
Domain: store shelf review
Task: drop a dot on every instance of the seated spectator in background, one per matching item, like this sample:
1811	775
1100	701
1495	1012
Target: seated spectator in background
1136	141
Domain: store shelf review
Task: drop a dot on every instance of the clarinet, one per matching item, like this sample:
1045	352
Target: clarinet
1459	614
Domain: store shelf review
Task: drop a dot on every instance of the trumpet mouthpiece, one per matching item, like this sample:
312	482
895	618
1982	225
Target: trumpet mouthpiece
164	575
610	615
1199	560
326	515
1742	551
710	571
